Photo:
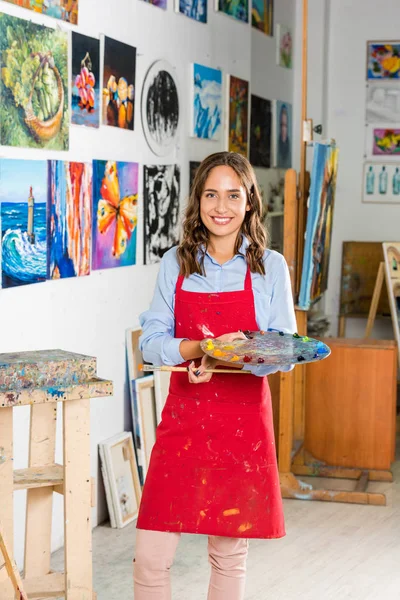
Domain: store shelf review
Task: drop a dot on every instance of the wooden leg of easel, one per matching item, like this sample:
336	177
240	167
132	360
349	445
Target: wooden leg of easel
11	568
77	500
6	490
40	500
342	327
375	299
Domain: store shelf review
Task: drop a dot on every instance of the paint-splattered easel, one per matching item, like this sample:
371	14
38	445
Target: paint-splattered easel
9	569
41	380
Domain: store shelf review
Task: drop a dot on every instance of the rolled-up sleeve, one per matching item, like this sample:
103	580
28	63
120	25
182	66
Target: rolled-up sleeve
282	315
157	342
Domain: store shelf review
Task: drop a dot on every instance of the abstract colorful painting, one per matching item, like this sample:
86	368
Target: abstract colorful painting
381	183
69	218
67	10
383	60
262	16
160	108
194	9
23	196
115	195
119	89
314	278
283	135
386	141
284	47
260	132
34	92
159	3
238	9
207	102
161	210
85	94
238	115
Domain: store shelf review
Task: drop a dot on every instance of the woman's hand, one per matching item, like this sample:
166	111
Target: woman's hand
197	374
230	337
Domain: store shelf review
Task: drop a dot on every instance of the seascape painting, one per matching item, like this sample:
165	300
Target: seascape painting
161	210
23	196
66	10
260	132
238	9
69	218
119	89
194	9
207	102
238	115
314	278
115	195
34	92
85	93
383	60
262	16
160	108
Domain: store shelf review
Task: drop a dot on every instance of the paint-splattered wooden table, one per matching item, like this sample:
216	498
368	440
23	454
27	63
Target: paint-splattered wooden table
41	380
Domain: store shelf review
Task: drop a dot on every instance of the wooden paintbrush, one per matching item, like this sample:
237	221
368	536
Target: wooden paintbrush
185	369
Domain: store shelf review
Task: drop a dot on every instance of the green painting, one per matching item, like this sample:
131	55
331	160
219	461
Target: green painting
34	75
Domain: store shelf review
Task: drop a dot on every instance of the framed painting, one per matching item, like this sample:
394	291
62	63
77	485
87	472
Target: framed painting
23	196
238	9
34	102
260	132
134	360
206	102
391	252
161	389
284	47
383	60
66	10
382	103
119	84
382	142
238	115
121	479
262	16
194	9
85	92
381	183
160	108
158	3
147	418
69	219
161	210
314	278
115	195
283	134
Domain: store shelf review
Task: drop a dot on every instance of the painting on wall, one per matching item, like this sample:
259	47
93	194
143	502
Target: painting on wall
34	92
386	142
238	112
284	47
115	195
207	102
23	196
260	132
314	278
119	89
391	252
159	3
193	166
381	183
194	9
69	218
262	16
160	108
383	60
283	135
383	102
66	10
85	93
161	210
238	9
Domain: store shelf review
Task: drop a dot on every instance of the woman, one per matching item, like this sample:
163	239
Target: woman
213	467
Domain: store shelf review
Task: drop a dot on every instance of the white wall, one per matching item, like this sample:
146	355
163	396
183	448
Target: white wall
90	315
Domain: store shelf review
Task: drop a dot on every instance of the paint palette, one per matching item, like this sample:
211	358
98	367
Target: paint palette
267	348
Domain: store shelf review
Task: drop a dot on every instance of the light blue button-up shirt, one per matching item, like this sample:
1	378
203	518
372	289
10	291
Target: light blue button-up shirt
272	297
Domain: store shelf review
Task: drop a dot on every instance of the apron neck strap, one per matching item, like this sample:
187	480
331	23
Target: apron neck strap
247	281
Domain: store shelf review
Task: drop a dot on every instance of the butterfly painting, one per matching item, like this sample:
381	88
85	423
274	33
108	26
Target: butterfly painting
115	195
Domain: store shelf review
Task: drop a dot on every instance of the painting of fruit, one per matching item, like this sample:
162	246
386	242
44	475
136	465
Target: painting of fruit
119	89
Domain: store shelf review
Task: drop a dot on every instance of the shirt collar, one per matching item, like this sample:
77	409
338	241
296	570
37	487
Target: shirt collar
241	254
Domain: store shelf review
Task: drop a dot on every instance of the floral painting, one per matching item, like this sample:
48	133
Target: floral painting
383	60
284	47
66	10
85	101
386	141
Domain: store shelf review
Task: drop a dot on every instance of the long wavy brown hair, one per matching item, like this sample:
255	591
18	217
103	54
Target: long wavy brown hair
192	249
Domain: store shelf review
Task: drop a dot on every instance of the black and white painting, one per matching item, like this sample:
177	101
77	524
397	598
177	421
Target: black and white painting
161	210
193	166
160	108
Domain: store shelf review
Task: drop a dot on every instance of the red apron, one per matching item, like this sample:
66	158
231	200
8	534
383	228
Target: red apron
213	467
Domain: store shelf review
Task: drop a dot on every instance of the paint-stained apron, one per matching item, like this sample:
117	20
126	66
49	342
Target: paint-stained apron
213	468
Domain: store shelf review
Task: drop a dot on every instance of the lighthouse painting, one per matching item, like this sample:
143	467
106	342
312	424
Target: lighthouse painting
23	196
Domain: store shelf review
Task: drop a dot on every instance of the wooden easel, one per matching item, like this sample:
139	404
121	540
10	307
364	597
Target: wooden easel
10	569
375	299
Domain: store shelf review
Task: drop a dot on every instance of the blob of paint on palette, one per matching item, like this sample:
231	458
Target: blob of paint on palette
267	348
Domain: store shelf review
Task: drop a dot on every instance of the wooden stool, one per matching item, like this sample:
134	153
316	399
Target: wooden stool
43	476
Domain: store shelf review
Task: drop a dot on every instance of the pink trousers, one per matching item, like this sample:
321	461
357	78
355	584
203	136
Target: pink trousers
154	555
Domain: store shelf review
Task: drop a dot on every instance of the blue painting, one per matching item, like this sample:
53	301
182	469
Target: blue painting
207	102
195	9
23	196
238	9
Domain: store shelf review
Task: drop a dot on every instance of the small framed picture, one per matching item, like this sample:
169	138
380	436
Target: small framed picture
284	47
147	417
383	142
381	182
383	60
121	479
